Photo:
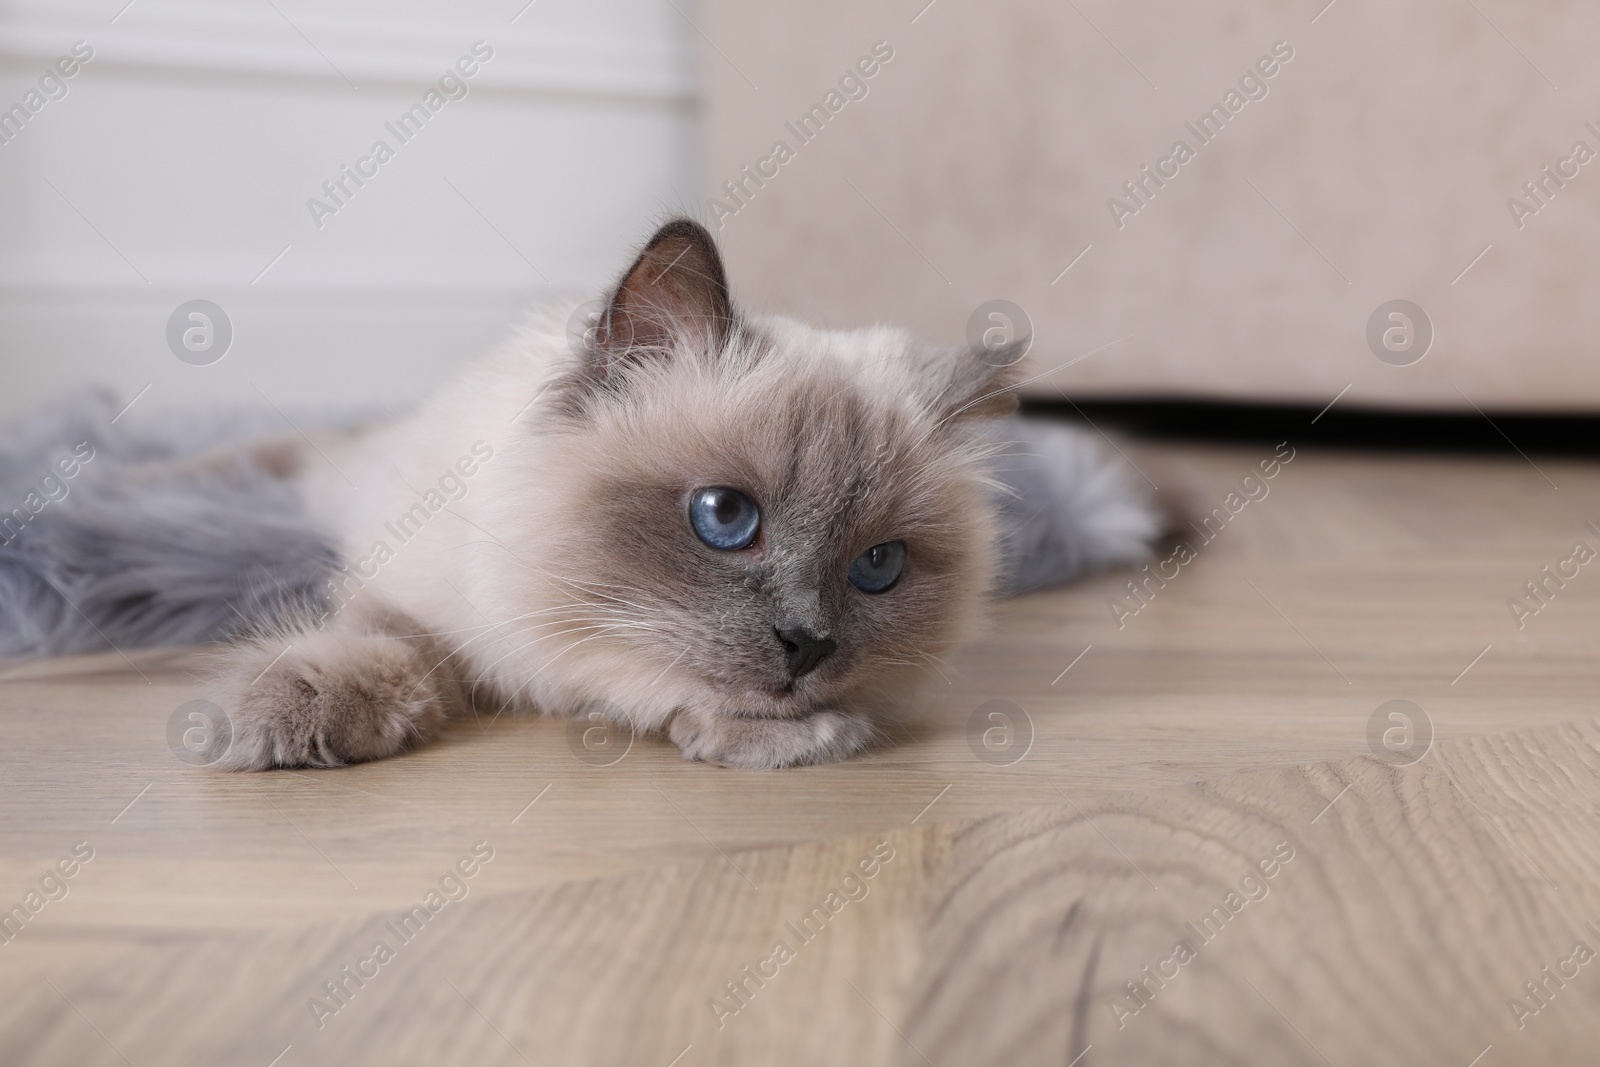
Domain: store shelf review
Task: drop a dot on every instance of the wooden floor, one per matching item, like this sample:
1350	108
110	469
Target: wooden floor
1091	888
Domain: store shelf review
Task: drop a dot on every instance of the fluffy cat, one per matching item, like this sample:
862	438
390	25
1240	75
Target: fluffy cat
745	533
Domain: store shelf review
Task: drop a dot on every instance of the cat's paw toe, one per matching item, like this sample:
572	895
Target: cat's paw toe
303	712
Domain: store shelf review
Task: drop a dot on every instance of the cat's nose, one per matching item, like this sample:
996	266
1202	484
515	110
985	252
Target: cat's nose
804	649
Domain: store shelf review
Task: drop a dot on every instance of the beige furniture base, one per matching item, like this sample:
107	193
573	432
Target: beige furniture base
1016	150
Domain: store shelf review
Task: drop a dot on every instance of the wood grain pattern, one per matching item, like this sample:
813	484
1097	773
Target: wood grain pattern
1227	717
1416	904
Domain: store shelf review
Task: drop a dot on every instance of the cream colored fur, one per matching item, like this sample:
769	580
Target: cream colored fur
478	580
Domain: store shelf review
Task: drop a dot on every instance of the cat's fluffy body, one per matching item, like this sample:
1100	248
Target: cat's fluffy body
568	580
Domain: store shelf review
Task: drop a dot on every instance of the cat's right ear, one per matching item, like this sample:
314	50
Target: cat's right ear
675	294
972	382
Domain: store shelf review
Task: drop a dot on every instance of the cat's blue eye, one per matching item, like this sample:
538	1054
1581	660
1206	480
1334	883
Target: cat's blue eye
725	519
878	568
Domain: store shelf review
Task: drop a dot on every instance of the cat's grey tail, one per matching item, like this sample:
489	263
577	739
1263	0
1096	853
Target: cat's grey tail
115	553
1066	511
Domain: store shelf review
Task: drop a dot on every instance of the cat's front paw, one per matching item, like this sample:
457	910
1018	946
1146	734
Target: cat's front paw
331	699
766	744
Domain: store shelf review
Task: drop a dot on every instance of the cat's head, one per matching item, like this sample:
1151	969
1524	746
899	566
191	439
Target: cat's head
766	518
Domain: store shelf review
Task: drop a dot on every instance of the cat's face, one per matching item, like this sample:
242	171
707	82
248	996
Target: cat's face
773	516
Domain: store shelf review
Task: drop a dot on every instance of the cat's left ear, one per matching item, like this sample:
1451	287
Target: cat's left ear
976	382
675	292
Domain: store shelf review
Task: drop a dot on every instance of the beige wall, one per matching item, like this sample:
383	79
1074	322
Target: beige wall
1377	166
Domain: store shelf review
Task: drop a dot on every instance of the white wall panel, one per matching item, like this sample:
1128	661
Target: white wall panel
179	165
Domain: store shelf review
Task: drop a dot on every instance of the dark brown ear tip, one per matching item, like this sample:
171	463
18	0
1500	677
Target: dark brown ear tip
681	241
676	288
682	227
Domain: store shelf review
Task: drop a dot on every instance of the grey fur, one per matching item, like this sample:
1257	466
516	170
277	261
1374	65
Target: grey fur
134	557
1066	512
